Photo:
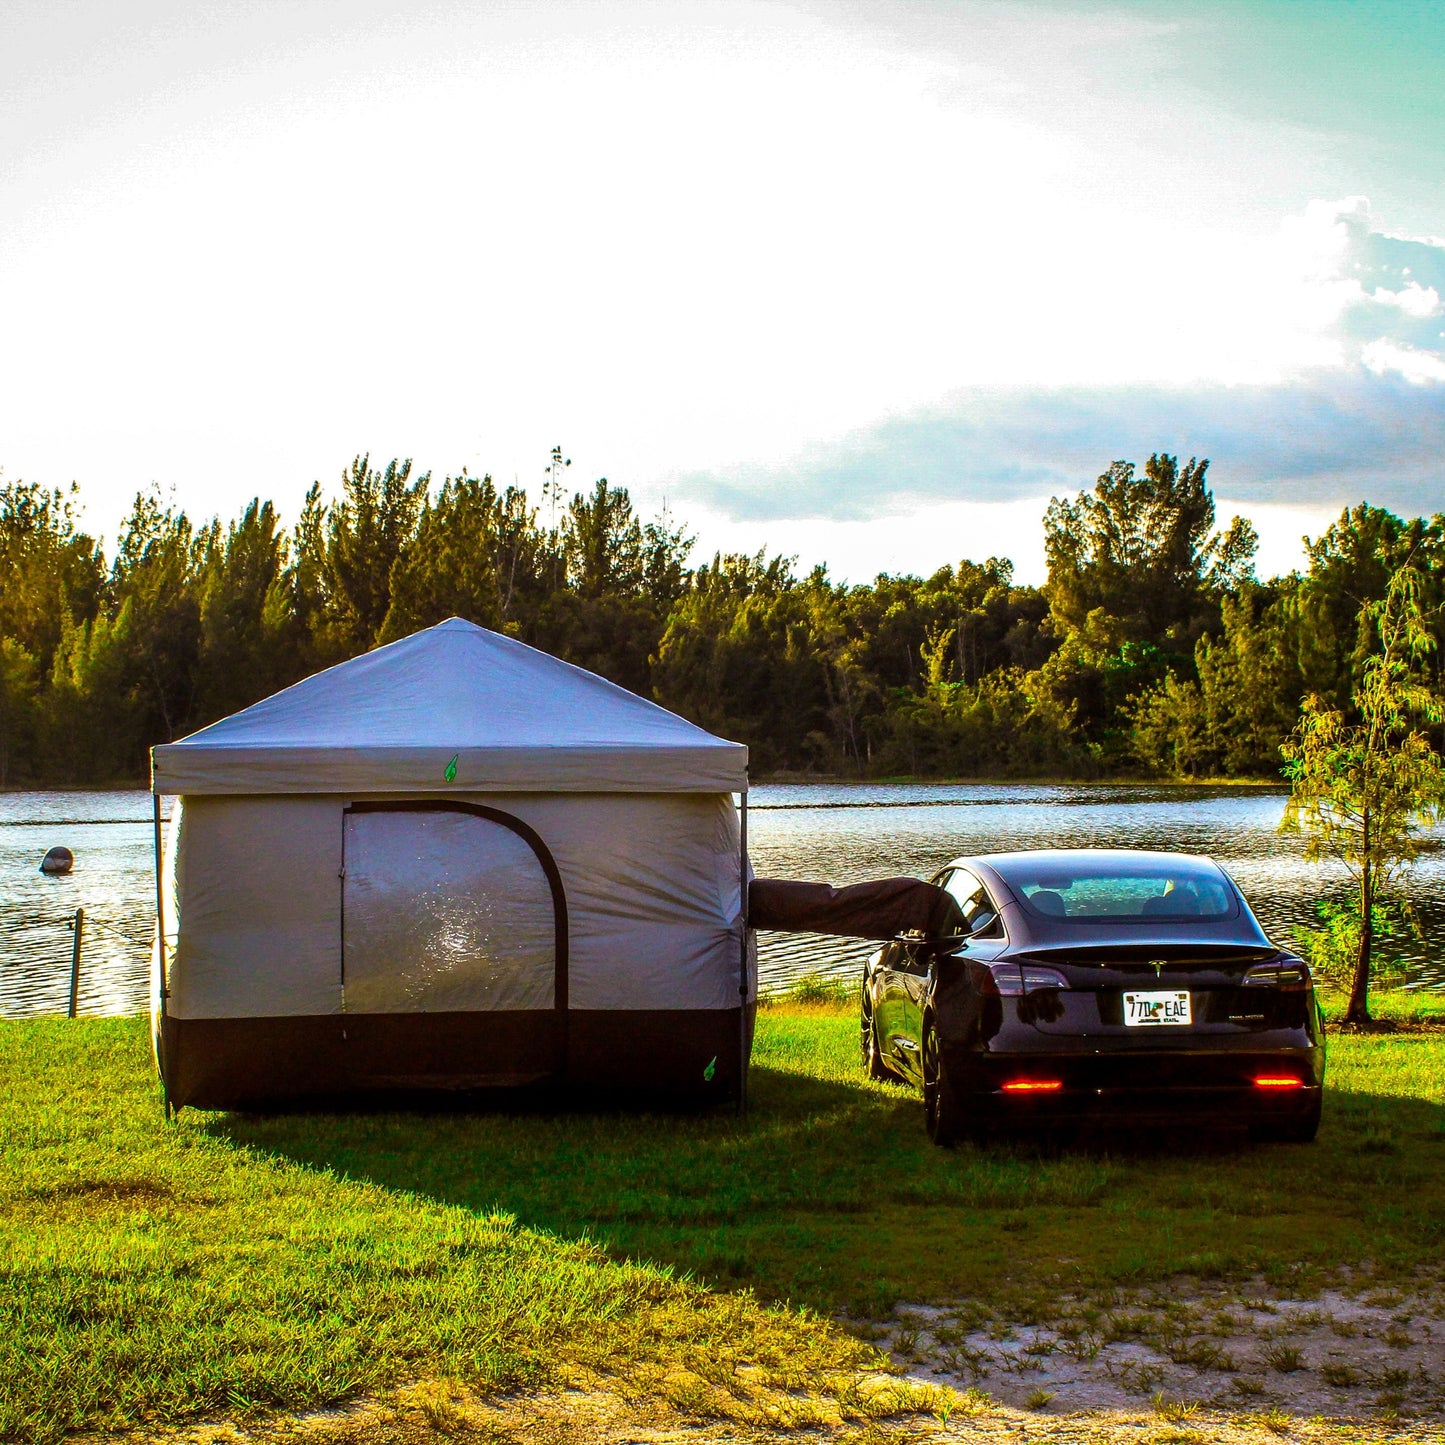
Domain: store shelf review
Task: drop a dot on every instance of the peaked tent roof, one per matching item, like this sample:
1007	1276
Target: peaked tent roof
514	719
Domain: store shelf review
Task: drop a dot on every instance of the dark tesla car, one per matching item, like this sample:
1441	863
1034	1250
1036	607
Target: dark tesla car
1097	987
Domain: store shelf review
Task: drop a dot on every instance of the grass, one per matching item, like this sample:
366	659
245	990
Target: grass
229	1263
1402	1008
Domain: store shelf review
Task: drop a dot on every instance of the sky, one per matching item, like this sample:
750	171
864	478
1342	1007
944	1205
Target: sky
865	281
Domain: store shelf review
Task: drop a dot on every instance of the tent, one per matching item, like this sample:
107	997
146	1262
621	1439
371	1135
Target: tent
452	863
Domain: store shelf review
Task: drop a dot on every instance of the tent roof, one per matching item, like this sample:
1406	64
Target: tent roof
513	718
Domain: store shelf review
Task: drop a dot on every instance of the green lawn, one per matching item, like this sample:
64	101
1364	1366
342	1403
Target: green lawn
226	1262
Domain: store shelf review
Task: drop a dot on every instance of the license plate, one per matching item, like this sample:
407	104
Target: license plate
1158	1009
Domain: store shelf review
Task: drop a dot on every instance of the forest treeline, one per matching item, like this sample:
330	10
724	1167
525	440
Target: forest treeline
1151	648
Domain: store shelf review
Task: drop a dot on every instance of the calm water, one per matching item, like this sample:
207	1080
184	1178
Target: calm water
841	833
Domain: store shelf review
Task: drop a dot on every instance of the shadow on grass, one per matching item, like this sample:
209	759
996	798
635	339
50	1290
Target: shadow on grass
828	1193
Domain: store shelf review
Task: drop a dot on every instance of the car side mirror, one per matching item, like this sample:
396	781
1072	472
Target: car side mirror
948	945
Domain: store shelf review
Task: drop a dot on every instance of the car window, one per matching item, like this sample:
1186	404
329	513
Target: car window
1121	893
979	914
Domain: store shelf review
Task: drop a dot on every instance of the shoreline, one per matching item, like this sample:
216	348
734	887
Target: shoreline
914	780
829	780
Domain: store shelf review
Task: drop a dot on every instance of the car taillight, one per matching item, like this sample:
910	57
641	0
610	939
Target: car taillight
1033	1086
1015	978
1278	1081
1282	973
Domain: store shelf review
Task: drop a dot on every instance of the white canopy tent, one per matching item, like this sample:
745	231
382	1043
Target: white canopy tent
452	862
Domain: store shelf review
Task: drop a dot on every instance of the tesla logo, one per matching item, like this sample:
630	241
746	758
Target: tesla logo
1157	964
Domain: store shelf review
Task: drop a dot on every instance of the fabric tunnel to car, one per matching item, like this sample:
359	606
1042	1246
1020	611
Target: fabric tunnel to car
882	908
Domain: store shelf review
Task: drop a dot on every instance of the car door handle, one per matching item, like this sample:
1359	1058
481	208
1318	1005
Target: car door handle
906	1044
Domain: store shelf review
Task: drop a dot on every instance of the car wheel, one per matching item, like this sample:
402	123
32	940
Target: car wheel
942	1108
873	1064
1289	1131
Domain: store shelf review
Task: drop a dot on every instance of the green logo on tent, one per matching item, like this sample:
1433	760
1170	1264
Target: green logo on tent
451	773
711	1069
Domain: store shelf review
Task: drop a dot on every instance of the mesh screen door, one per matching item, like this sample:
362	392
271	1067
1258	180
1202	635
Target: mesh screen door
444	911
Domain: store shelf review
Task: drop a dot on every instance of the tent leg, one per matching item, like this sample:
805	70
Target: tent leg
163	981
743	954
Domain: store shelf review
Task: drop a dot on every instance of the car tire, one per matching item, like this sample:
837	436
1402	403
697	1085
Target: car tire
873	1064
1289	1131
942	1108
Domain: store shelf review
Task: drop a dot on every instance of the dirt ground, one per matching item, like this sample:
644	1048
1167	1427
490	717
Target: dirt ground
577	1418
1372	1357
1182	1363
445	1413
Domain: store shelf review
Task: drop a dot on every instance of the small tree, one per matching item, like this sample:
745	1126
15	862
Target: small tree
1363	790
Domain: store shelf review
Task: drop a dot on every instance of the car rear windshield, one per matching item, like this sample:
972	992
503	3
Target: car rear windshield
1118	894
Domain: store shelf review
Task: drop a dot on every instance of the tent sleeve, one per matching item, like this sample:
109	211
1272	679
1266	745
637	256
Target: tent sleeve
882	908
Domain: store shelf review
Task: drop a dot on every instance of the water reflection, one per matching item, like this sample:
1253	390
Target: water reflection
844	834
838	832
113	880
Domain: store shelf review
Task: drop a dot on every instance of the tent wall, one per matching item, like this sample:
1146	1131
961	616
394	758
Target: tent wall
256	925
257	1007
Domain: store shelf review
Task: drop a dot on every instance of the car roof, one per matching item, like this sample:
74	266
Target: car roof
1028	930
1000	865
1186	862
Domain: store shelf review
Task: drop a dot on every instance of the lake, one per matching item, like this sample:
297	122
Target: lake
836	832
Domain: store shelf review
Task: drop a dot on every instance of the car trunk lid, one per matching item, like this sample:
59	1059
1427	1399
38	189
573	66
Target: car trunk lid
1230	989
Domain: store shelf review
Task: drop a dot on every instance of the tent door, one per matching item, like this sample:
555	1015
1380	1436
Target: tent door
453	909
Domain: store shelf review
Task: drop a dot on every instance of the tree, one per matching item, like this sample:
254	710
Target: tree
1250	677
246	612
154	578
552	496
740	655
305	579
99	713
1169	733
1144	550
367	531
602	543
50	573
1351	563
474	549
1363	789
1136	577
17	704
666	545
1151	643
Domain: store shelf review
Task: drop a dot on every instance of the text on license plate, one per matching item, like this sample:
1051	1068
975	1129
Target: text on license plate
1163	1007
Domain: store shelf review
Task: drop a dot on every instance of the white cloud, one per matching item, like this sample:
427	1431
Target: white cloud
1360	413
1383	356
1327	437
1415	300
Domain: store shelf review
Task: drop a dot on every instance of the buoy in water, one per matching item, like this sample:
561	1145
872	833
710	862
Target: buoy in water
57	860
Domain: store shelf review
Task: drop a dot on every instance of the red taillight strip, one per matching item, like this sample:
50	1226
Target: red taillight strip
1278	1081
1032	1086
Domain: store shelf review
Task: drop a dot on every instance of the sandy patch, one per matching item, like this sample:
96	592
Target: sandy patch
445	1413
1364	1356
